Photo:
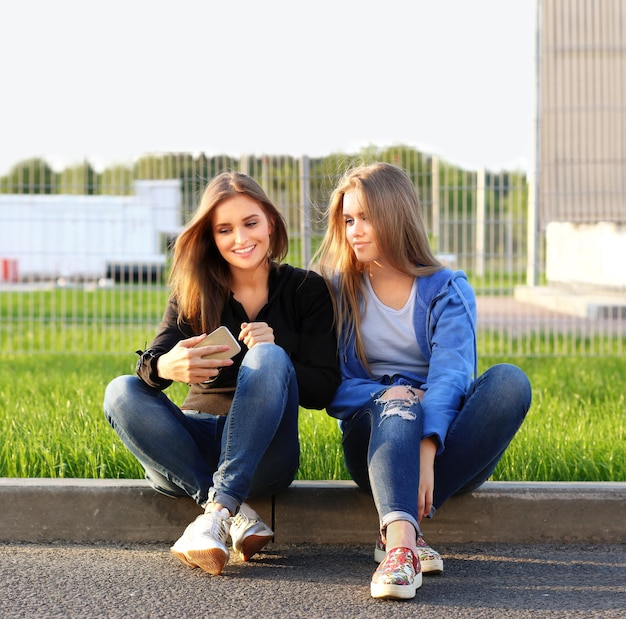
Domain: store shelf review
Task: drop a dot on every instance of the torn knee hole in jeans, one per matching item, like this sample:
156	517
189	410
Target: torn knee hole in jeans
399	407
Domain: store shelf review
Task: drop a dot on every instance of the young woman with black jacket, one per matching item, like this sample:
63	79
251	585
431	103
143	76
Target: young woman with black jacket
236	433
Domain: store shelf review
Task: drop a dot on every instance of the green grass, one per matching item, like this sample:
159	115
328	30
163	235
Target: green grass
80	319
576	427
52	424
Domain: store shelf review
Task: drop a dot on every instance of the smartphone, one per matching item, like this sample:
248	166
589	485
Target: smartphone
220	337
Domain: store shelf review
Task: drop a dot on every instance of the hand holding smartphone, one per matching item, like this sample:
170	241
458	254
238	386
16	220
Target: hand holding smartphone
220	337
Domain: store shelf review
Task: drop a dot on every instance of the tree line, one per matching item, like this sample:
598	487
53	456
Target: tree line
287	180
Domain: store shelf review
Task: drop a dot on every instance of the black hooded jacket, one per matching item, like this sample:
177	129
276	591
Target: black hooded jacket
299	310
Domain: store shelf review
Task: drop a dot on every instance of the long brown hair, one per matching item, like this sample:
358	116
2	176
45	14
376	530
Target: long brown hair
200	277
390	202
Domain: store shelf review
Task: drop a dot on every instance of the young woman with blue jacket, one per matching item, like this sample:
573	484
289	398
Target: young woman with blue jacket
418	423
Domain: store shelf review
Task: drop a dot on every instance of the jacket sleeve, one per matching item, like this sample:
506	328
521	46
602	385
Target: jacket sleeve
168	335
316	362
352	395
453	359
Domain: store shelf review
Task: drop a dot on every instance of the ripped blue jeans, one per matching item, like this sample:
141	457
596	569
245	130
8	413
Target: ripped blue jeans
381	442
381	445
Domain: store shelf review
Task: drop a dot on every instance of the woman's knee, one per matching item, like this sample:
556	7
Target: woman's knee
512	381
398	402
119	386
264	356
503	396
119	393
399	392
268	364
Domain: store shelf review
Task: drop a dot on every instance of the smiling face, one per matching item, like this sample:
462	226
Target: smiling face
359	230
241	231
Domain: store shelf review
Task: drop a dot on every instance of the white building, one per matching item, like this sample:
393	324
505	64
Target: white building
582	141
88	237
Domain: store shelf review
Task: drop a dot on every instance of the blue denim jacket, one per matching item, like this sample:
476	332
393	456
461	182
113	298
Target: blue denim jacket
445	327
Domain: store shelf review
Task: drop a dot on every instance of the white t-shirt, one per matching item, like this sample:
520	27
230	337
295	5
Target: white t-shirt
389	336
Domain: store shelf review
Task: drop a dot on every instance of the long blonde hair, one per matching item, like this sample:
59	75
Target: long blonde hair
200	277
390	202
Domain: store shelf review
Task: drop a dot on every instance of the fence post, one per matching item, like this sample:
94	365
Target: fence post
244	165
305	218
265	174
435	203
480	222
532	261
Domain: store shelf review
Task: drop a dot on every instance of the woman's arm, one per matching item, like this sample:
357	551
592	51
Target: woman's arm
452	362
168	335
428	450
315	360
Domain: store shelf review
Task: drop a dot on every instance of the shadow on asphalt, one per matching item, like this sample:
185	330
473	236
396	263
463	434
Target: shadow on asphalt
140	580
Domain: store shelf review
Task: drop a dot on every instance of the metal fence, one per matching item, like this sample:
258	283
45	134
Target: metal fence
84	254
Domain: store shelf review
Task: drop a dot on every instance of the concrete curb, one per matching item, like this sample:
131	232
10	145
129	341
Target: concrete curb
86	510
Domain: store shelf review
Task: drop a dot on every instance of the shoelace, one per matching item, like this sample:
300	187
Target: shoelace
218	529
240	520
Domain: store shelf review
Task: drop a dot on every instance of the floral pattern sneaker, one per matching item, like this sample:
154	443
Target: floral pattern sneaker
430	559
398	576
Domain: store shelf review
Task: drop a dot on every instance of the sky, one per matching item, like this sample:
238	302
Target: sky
109	81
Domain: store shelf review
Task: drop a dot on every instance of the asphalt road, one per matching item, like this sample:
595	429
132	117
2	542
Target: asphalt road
309	581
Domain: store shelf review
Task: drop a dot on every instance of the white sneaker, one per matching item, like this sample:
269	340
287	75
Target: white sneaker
248	532
203	544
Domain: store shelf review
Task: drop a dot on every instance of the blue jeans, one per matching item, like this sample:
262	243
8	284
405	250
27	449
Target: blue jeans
253	450
382	452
